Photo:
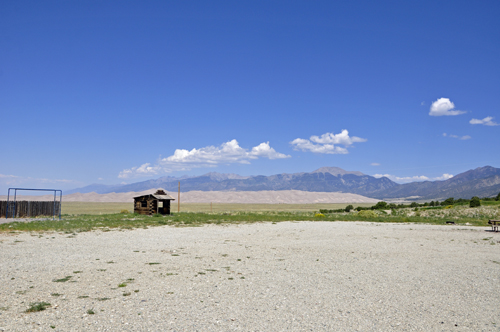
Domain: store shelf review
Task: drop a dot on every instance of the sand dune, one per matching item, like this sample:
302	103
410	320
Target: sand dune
255	197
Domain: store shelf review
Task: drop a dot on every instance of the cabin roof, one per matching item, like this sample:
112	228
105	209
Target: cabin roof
162	197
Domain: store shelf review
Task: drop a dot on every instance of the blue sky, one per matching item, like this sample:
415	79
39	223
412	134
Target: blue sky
111	92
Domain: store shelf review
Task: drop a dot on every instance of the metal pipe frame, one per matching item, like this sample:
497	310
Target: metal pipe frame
15	197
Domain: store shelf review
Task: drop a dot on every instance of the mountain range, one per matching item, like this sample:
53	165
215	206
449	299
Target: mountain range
482	182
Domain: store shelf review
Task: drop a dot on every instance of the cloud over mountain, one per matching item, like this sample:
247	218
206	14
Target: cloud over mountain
210	156
416	178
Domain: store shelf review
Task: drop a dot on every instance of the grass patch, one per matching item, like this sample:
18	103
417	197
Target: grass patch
103	298
56	294
250	213
38	306
83	297
122	285
90	312
62	279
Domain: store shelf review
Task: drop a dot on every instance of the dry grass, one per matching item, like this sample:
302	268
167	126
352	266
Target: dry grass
95	207
75	208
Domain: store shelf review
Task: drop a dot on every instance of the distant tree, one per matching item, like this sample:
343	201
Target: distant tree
475	202
498	197
380	206
348	208
426	204
448	201
393	206
359	208
431	203
436	203
414	204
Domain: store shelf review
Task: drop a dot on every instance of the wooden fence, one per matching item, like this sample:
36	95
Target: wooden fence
26	209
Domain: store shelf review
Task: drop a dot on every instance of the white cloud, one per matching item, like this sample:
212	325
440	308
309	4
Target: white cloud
463	138
443	177
210	156
416	178
375	164
444	106
326	143
487	121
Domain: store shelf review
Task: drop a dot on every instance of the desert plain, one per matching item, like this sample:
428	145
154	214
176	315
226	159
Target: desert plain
295	276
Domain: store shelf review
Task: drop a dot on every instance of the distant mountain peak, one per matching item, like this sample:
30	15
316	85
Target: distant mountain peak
224	176
336	171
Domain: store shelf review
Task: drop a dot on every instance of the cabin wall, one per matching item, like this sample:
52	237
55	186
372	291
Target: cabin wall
151	206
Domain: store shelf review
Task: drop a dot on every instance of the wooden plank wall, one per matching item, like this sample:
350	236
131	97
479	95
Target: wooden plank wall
30	209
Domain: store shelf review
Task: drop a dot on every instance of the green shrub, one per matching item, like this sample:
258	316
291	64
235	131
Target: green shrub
348	208
124	211
475	202
367	214
448	201
325	211
38	306
380	206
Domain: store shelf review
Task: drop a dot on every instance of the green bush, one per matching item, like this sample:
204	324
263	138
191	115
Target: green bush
448	201
475	202
498	197
348	208
380	206
367	214
324	211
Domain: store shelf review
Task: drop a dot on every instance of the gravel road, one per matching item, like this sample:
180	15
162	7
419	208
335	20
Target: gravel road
290	276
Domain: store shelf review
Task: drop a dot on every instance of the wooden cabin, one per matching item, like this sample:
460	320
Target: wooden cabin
159	202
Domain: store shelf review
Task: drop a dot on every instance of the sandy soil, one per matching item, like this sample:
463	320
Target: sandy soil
314	276
255	197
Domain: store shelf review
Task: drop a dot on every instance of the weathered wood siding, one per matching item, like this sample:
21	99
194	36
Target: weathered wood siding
151	206
29	209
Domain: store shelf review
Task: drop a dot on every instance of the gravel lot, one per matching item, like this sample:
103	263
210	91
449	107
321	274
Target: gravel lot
305	276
